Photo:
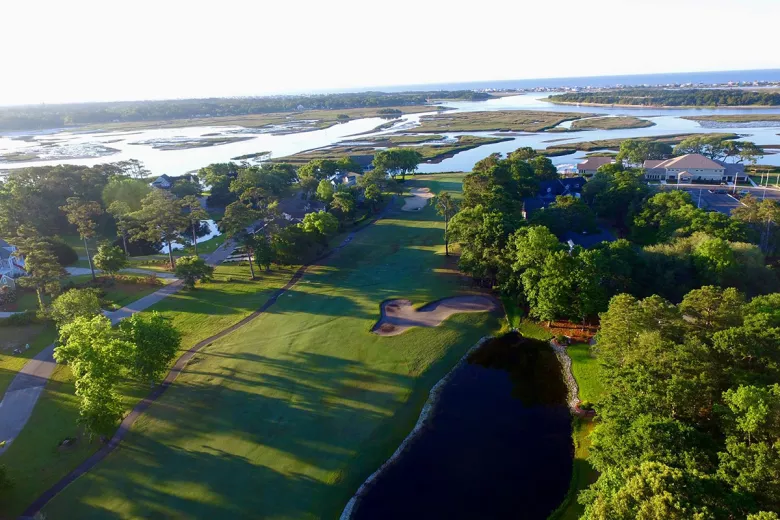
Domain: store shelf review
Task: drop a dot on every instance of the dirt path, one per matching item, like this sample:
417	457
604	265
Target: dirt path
418	200
181	363
399	315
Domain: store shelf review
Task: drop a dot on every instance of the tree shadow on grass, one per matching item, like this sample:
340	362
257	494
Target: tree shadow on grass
307	413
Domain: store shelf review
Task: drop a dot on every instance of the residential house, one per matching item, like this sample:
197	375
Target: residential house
549	190
591	164
693	167
348	179
294	208
587	240
163	182
364	161
11	263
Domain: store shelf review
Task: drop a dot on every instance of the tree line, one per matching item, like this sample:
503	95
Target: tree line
668	246
31	117
689	422
689	338
672	97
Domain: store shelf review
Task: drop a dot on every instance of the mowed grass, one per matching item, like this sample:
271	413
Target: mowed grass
38	336
583	474
285	417
35	461
587	372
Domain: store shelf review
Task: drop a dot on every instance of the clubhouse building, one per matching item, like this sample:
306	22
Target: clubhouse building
693	167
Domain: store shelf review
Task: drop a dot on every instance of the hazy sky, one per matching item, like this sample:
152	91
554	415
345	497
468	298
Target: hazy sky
62	51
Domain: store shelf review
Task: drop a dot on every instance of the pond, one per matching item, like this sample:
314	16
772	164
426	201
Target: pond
209	227
496	444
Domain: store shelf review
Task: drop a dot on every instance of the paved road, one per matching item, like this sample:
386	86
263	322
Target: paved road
181	363
77	271
22	394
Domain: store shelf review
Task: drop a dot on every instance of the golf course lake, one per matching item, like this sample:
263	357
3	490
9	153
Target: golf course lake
497	443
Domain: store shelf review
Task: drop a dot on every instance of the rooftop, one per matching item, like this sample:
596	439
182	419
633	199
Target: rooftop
690	161
594	163
588	240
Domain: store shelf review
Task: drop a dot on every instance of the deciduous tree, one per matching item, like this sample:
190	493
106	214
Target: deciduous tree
111	259
192	269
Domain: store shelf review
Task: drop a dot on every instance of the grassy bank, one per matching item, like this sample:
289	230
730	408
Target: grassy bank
322	118
285	417
583	474
610	123
587	372
500	120
614	144
430	152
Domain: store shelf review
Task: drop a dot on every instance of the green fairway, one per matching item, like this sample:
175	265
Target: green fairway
586	371
35	461
285	417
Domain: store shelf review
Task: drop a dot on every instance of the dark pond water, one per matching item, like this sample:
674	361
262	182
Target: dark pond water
497	445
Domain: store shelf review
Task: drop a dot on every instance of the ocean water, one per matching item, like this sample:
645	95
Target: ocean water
706	78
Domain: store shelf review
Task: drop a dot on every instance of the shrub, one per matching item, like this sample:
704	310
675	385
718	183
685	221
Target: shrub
21	319
73	304
192	269
561	339
65	254
7	295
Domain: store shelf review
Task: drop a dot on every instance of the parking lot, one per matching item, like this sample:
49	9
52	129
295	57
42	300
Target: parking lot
711	200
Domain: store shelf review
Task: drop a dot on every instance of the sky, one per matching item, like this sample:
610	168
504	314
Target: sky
84	50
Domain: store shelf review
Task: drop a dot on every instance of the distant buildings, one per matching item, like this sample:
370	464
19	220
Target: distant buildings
693	167
591	164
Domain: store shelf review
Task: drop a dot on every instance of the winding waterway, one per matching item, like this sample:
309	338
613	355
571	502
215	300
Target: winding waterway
496	443
73	147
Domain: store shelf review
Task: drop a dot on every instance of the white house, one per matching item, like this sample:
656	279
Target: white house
695	167
344	179
11	263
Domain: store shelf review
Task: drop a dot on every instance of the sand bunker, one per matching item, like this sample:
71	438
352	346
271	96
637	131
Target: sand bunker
418	200
399	315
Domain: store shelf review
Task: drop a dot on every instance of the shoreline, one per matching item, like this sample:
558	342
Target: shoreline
422	420
656	107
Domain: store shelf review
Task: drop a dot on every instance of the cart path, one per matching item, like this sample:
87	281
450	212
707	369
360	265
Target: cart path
181	363
24	390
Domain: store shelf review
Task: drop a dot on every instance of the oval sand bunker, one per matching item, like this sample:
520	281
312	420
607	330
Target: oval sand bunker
399	315
418	200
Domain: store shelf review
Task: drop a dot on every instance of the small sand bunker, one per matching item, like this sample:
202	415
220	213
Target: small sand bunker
399	315
418	200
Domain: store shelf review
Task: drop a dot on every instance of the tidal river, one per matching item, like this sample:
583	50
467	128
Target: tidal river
496	444
73	147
